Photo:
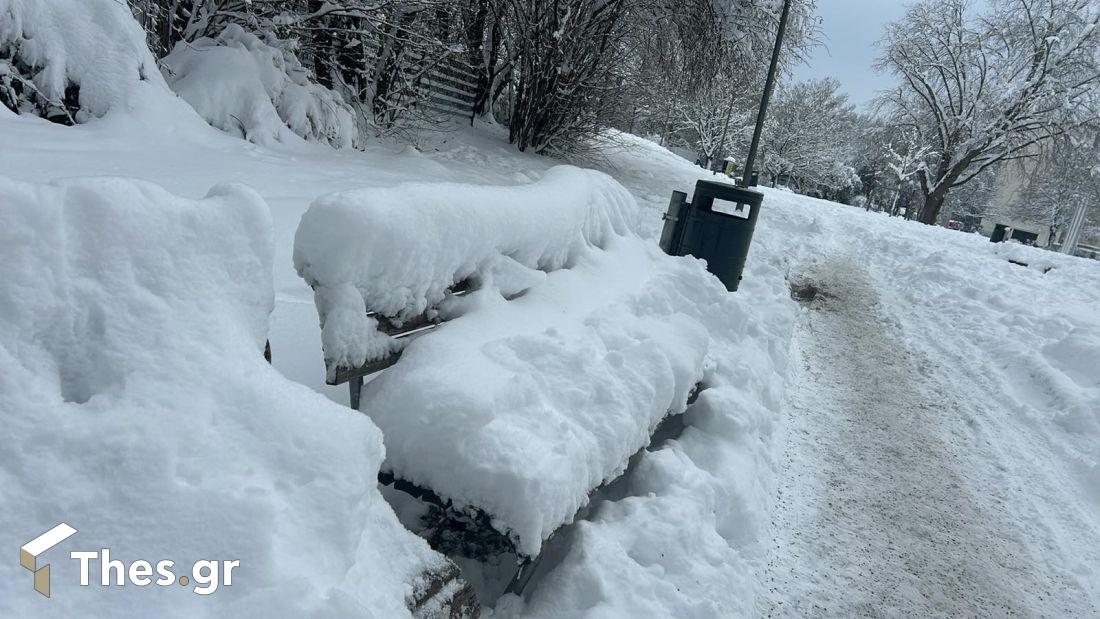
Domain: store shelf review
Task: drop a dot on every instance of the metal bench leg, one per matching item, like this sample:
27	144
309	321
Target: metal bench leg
523	575
355	385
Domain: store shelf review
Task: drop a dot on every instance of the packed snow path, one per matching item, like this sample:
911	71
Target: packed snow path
879	509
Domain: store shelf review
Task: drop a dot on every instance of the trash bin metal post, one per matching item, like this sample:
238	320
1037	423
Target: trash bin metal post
673	232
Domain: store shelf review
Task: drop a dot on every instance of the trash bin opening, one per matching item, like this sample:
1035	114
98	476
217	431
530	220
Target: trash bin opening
734	209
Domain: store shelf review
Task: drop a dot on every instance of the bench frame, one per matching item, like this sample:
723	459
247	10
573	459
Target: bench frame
406	330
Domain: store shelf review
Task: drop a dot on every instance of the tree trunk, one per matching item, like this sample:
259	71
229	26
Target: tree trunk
930	213
946	175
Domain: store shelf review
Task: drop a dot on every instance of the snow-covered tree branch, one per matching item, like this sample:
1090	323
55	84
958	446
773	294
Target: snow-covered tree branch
978	90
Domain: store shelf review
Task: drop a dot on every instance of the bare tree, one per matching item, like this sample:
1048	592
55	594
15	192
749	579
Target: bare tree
715	118
565	54
809	136
982	90
904	161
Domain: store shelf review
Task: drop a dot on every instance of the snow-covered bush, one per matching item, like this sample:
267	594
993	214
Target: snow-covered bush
257	89
69	60
136	406
397	250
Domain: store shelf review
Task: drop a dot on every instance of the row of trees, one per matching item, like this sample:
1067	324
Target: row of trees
978	91
995	109
557	72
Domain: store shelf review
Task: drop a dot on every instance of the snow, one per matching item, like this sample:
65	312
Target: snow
138	408
517	408
522	408
942	428
682	535
396	250
1011	349
257	90
92	44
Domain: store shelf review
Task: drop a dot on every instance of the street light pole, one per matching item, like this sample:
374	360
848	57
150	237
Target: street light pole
768	84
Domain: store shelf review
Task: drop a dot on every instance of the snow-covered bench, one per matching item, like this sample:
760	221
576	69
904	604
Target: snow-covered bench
136	407
568	339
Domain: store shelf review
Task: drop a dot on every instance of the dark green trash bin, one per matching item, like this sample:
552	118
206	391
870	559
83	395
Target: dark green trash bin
716	226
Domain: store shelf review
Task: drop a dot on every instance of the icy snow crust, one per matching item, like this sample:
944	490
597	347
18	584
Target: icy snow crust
396	250
137	407
93	44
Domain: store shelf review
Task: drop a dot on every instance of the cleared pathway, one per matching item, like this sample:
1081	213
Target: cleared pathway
879	511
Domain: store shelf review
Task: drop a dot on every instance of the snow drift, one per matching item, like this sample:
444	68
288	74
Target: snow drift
257	90
71	60
397	250
138	408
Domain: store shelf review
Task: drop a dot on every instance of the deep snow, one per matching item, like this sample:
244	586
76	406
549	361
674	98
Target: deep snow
689	533
397	250
138	408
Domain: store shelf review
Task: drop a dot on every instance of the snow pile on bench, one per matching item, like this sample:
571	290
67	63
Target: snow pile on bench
397	250
50	46
138	408
257	90
521	408
516	408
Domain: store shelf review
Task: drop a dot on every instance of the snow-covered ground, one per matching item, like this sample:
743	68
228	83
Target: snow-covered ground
966	384
943	434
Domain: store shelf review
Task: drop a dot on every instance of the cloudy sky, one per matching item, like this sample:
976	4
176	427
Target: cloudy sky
850	29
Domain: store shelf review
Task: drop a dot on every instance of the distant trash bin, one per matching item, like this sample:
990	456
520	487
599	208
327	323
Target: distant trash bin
716	226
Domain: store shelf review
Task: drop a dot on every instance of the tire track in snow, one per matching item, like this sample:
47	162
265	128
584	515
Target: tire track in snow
876	514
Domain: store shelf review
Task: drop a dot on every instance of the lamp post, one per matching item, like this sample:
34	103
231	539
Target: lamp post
769	83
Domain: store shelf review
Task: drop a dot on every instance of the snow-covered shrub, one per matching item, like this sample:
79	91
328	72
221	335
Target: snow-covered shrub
69	60
257	90
136	406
